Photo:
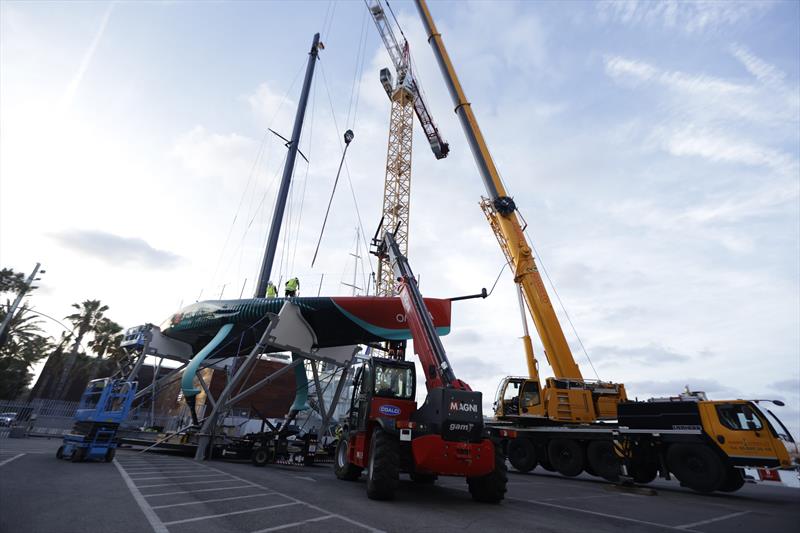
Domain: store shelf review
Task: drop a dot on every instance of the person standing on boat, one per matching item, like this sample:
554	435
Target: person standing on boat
292	287
272	290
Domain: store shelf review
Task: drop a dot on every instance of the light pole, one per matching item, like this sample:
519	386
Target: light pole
10	314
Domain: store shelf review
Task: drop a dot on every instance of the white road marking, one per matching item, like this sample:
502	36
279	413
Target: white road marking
306	478
11	459
214	500
320	509
578	497
208	516
606	515
710	520
190	483
157	470
248	486
293	524
174	477
149	513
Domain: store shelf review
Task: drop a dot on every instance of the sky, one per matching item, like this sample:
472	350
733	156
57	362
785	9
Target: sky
652	148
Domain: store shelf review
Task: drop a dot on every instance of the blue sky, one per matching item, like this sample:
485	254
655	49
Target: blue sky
652	148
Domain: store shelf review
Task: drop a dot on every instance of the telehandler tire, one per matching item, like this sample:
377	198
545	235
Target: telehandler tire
604	462
60	452
695	466
490	488
522	454
343	468
383	472
734	480
566	456
110	455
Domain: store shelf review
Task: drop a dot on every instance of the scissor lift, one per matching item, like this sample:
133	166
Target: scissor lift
104	405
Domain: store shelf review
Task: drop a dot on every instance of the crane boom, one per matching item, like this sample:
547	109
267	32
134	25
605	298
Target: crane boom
502	214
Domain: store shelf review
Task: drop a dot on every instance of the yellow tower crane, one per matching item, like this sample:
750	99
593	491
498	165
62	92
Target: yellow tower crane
406	97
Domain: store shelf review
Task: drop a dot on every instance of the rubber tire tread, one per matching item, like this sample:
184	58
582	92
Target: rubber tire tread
491	488
77	455
110	455
348	471
383	473
600	456
522	454
60	452
260	457
713	472
570	463
734	480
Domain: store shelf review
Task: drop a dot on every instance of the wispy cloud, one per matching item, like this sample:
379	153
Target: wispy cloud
75	82
691	17
117	250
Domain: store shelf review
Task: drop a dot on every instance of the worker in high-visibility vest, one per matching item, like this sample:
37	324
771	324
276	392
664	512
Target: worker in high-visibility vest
272	290
292	286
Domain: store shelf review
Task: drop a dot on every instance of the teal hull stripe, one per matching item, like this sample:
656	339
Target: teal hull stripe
187	381
386	333
301	387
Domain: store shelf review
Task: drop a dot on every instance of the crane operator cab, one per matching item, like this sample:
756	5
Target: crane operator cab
519	396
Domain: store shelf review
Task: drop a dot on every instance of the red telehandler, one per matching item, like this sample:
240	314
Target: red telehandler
386	433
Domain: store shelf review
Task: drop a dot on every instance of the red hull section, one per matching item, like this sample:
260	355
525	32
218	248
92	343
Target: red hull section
434	454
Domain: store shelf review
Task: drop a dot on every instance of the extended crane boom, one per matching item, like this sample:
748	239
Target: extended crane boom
599	399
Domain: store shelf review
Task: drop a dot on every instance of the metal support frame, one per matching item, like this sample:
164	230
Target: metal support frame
205	388
397	184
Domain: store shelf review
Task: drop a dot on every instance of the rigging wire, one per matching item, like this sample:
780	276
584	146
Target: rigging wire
308	167
563	307
359	65
347	170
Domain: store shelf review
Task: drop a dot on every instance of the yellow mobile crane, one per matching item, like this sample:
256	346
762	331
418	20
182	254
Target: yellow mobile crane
571	424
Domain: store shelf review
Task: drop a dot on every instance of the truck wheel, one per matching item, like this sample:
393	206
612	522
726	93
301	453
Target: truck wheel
424	479
60	453
697	467
734	480
490	488
643	472
522	454
601	457
566	456
344	469
260	457
110	455
384	461
77	455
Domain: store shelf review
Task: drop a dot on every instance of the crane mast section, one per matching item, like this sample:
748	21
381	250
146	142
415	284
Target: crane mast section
503	218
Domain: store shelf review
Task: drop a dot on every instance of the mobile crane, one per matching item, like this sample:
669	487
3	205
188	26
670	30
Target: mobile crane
386	433
572	424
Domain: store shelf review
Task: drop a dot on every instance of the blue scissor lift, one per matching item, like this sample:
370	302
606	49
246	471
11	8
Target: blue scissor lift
104	405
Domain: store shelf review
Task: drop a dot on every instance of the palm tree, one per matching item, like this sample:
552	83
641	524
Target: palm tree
90	313
106	338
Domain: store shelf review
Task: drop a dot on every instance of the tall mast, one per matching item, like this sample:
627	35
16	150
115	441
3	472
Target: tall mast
288	169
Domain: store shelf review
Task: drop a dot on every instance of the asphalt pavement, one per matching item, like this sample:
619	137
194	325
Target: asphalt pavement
167	493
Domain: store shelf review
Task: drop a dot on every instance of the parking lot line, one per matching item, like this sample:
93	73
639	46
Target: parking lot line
191	483
214	500
293	524
248	486
606	515
311	505
173	477
710	520
156	470
156	523
206	517
9	460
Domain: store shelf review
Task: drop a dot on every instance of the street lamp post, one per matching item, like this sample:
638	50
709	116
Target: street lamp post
10	314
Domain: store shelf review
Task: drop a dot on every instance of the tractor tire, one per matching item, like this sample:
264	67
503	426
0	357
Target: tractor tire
734	480
60	452
77	455
424	479
566	456
343	468
110	454
522	454
383	472
260	457
696	466
643	472
602	459
490	488
545	463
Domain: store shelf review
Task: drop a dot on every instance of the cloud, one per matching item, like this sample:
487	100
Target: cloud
215	155
791	386
75	82
651	354
713	388
116	250
690	17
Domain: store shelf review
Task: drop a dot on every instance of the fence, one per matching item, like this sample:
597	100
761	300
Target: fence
39	417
